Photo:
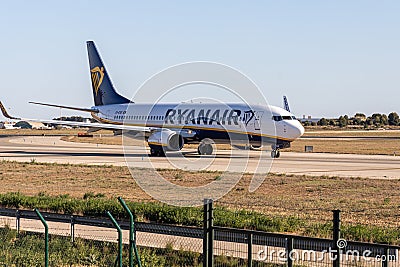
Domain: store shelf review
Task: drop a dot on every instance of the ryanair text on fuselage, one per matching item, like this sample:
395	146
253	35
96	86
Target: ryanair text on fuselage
205	116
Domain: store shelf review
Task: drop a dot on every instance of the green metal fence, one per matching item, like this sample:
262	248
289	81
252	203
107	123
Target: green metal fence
86	241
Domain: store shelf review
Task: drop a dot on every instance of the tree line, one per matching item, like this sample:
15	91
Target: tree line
359	119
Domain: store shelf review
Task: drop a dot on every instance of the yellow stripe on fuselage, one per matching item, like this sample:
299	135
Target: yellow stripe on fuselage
187	127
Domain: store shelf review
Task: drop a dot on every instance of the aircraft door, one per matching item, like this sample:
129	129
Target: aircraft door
257	120
252	120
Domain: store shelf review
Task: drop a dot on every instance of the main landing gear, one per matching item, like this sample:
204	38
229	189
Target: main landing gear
206	147
156	151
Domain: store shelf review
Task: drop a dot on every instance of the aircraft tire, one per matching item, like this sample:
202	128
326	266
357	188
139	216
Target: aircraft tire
157	151
205	149
275	154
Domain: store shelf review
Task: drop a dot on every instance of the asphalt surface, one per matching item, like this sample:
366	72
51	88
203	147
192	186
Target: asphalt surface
52	149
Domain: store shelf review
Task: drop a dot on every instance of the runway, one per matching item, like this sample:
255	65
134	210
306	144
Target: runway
53	150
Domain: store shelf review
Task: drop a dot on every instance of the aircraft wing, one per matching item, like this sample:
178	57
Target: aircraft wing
94	125
107	126
66	107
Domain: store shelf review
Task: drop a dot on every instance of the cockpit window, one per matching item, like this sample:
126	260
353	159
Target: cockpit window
286	118
277	118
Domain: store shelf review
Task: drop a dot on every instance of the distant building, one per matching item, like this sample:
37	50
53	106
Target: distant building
309	119
32	125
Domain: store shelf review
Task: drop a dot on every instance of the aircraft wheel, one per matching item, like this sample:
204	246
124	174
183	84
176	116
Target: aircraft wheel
206	147
275	154
157	151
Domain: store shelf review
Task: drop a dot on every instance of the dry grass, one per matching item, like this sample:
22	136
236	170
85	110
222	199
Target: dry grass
349	146
350	128
353	133
365	201
375	145
96	139
49	132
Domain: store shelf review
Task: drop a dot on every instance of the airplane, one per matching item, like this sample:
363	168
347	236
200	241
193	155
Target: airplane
167	127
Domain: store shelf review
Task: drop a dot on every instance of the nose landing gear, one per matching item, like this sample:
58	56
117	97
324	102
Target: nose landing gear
275	153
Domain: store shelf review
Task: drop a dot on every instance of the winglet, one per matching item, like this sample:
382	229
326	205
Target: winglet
5	113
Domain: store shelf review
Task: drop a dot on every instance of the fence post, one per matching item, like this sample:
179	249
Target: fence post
385	263
289	249
18	221
336	237
72	228
119	257
46	238
249	249
205	233
211	234
132	237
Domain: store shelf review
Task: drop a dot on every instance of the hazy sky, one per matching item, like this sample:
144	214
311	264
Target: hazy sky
328	57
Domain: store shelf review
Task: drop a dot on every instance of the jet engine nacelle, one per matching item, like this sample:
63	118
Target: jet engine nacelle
169	140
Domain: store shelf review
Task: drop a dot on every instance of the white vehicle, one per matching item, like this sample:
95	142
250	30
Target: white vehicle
167	127
8	125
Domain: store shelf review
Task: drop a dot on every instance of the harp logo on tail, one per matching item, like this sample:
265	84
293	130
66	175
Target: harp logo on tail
97	75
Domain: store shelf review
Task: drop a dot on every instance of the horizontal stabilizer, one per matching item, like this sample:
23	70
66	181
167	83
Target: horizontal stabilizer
66	107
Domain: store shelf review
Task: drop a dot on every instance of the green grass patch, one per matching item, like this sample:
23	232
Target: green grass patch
28	250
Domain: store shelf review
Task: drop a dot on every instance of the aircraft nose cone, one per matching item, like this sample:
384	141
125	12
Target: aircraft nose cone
297	130
301	130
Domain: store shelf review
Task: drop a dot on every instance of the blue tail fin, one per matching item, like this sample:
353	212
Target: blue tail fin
286	103
103	90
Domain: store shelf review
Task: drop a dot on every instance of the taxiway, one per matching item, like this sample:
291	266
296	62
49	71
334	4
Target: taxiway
54	150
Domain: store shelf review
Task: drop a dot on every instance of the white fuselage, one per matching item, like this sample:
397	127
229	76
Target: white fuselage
207	119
